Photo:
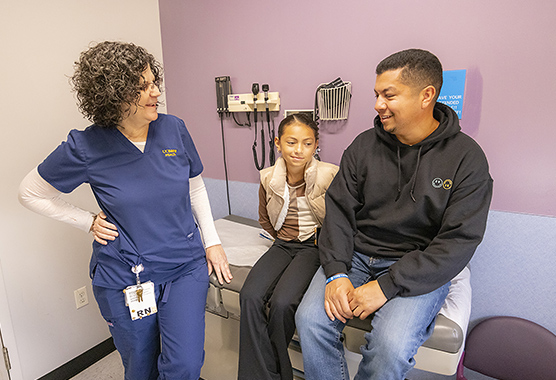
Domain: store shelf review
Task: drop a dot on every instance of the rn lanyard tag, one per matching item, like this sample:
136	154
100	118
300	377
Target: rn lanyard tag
140	298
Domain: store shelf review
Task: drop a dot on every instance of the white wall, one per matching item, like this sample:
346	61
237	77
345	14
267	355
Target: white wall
41	261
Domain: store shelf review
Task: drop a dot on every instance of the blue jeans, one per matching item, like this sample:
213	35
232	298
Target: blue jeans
399	328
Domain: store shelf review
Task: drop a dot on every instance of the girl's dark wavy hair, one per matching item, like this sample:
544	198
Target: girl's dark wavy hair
107	77
302	118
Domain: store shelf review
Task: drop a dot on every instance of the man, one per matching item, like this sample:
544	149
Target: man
404	216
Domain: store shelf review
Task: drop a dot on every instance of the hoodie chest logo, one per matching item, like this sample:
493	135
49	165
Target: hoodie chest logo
438	183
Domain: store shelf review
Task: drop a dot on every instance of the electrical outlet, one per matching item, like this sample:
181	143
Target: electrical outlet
81	298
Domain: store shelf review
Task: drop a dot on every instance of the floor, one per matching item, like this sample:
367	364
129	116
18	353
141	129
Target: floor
109	368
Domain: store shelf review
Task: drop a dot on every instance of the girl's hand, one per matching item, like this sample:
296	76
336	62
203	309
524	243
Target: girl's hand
103	230
217	261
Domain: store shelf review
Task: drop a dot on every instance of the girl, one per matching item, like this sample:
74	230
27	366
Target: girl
291	208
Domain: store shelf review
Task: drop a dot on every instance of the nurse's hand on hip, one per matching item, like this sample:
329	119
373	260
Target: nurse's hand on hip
103	230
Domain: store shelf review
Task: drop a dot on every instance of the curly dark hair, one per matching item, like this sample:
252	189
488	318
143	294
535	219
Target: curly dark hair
108	77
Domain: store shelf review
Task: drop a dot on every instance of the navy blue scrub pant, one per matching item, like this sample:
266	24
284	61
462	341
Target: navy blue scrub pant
169	344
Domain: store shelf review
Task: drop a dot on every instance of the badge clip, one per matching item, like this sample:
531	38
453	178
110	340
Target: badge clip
137	269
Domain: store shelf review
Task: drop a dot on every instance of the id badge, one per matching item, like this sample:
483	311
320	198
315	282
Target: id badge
140	300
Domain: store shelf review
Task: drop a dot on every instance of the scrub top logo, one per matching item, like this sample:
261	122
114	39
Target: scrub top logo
169	152
438	183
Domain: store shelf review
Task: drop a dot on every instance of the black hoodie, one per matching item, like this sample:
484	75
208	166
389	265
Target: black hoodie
425	205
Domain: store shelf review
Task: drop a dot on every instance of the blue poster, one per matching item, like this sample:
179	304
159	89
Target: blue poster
453	89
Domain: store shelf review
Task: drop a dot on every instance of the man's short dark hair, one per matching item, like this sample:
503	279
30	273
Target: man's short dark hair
421	68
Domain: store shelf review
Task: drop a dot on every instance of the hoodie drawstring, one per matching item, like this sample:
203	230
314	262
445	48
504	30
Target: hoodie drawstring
415	174
399	176
413	181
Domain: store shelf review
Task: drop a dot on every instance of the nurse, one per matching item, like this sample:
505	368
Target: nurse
145	174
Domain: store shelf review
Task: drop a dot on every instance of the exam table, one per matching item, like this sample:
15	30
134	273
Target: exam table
243	245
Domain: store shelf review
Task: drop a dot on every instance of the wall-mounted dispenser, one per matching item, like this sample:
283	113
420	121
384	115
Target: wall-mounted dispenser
332	100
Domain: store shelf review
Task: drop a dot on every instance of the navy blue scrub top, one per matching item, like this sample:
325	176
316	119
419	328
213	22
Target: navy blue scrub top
146	195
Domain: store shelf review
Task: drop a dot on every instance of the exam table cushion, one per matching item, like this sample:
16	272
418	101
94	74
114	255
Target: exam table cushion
243	245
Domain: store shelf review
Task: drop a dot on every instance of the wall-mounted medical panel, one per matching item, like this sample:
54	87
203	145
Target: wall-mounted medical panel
246	102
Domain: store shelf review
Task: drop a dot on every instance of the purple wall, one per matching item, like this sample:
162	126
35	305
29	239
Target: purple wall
506	47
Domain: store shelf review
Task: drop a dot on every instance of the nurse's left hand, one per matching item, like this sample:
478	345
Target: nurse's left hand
217	261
